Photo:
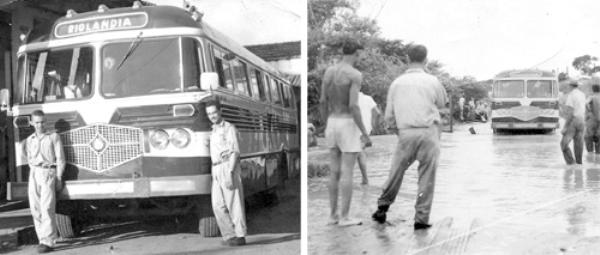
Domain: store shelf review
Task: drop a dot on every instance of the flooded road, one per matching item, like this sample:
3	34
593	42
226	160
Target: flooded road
495	194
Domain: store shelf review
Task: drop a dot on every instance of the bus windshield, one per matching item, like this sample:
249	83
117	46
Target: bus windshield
509	89
152	66
539	89
54	75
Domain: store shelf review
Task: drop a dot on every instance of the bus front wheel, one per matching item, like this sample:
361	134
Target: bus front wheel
67	226
207	226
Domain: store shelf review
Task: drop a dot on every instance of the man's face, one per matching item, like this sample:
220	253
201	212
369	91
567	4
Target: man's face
38	123
214	115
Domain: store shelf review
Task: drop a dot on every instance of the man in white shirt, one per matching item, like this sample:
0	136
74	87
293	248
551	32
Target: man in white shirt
573	130
368	108
414	102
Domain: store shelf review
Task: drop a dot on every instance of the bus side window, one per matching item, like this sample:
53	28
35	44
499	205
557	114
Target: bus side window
290	97
223	69
267	87
275	96
254	81
241	77
284	93
191	64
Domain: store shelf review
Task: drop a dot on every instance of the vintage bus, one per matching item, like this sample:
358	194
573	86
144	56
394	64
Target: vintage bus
525	99
124	88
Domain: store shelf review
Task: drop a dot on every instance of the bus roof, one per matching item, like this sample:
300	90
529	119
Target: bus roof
522	73
146	17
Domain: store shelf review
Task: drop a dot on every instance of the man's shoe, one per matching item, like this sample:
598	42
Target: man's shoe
239	241
380	215
42	248
419	226
229	242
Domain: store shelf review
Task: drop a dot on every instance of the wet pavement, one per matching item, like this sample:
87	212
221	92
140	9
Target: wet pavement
495	194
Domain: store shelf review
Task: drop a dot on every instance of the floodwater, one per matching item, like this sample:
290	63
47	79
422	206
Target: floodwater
495	194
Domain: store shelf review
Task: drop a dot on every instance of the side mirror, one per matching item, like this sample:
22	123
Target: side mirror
209	81
4	99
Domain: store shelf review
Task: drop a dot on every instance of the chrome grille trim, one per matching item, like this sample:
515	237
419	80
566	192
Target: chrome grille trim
122	144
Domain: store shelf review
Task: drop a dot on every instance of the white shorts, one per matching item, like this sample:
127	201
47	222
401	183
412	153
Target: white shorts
344	134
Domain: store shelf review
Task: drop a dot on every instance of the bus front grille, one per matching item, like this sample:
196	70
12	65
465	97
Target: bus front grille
101	147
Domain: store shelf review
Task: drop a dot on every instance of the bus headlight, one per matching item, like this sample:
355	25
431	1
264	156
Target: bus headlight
180	138
159	139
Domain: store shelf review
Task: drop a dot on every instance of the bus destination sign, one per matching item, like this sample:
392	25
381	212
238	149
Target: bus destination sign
101	24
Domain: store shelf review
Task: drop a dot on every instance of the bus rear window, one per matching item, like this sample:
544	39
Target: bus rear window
509	89
539	89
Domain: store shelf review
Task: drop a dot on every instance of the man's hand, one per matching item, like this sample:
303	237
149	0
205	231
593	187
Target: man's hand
59	185
228	181
563	131
366	141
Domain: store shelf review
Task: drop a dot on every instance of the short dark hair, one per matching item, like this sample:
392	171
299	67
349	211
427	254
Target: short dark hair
38	113
213	102
573	83
417	53
350	47
596	87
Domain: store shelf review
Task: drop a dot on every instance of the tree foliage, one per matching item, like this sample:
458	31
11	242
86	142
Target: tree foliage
586	64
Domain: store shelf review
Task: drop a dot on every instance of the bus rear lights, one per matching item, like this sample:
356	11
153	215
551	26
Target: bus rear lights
70	13
159	139
180	138
183	110
102	8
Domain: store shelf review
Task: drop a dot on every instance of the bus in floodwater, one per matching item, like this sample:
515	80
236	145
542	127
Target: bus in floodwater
525	99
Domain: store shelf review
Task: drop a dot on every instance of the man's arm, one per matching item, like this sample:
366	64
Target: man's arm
323	99
353	102
235	148
60	156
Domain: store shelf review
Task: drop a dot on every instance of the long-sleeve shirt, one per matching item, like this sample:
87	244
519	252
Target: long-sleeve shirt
414	100
45	149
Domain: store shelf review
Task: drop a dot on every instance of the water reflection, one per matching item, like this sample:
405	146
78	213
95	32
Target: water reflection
576	180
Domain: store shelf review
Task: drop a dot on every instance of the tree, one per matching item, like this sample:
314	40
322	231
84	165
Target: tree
586	64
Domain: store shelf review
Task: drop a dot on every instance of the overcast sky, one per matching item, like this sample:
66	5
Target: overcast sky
481	38
252	22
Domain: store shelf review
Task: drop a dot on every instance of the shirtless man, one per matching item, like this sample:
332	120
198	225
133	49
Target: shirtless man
345	131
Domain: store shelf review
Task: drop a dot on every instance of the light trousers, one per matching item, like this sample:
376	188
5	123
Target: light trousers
42	203
228	204
423	145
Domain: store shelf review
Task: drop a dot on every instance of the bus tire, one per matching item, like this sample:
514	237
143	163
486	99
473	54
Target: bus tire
208	227
66	226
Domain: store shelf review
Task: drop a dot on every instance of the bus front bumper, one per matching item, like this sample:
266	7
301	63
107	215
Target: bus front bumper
143	187
525	125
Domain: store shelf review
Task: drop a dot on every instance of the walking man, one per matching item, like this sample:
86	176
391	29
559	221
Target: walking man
592	129
46	159
345	131
369	112
414	101
227	194
574	110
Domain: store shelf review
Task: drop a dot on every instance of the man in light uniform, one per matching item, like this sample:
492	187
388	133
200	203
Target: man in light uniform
574	112
46	159
227	193
414	102
345	132
368	111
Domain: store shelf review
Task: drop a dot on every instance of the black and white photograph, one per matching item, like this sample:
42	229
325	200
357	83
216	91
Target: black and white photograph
453	127
150	127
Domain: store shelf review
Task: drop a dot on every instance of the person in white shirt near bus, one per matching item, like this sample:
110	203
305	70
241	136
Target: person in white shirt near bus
573	130
227	194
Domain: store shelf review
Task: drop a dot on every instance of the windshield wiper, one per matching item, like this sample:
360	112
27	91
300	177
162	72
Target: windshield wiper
132	48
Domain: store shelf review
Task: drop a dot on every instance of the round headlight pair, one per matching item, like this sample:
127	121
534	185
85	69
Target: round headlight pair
160	139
